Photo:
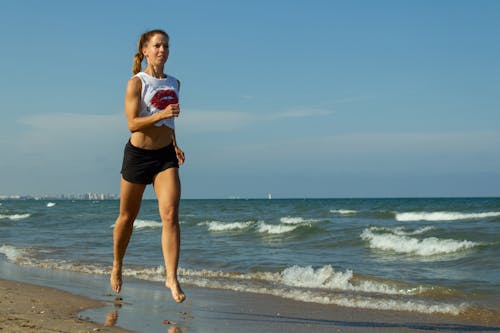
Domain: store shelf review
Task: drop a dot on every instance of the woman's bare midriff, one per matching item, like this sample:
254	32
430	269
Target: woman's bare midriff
152	138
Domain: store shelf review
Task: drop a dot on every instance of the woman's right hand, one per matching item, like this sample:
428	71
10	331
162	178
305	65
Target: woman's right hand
171	111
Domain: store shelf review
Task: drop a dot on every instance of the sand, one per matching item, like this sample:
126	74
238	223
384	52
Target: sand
30	308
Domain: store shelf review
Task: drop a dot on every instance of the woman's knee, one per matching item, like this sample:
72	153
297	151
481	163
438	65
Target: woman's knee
126	218
169	215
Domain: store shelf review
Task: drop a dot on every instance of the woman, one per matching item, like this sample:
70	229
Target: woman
151	156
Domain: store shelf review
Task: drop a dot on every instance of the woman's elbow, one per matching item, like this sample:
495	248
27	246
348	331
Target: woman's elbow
132	127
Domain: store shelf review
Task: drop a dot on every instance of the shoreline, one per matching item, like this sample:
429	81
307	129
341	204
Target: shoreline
77	302
26	307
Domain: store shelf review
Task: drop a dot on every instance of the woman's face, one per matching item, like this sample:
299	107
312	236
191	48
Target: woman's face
156	50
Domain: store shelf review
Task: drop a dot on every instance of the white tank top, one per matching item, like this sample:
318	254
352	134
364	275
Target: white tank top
156	95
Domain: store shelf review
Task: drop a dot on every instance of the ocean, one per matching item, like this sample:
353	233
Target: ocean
425	255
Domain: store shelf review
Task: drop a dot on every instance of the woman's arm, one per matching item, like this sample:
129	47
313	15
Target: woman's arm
178	151
133	107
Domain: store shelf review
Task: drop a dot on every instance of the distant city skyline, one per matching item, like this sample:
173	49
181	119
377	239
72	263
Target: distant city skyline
109	196
71	196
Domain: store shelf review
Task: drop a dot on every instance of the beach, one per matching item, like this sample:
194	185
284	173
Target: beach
30	308
293	265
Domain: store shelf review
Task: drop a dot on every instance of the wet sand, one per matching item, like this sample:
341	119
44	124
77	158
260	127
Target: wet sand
30	308
226	311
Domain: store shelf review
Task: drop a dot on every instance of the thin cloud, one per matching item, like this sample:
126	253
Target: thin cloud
347	100
221	121
61	128
304	113
56	139
197	121
381	152
65	120
64	152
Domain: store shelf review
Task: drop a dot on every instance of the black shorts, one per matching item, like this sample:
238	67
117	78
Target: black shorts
141	165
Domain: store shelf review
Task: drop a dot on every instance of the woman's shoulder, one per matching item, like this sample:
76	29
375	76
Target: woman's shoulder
141	76
134	80
134	84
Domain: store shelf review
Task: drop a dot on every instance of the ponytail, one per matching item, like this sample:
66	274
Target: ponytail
139	56
137	66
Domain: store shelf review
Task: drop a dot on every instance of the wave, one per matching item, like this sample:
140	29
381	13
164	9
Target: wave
401	231
323	285
296	283
275	228
327	278
418	216
343	211
217	226
397	241
12	253
296	220
144	224
282	285
288	224
15	217
442	216
222	226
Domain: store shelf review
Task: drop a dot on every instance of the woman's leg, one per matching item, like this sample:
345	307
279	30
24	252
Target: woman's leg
130	203
168	191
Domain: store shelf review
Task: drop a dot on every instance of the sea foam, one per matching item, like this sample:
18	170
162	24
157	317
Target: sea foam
442	216
402	231
318	286
12	253
218	226
14	217
327	278
296	220
304	284
275	228
400	243
146	224
343	211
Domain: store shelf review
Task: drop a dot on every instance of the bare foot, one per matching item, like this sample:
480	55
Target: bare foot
115	279
175	289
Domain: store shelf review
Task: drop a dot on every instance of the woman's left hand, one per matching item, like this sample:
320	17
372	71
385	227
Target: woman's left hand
180	155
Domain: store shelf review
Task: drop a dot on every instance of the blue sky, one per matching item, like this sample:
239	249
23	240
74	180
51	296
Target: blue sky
294	98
